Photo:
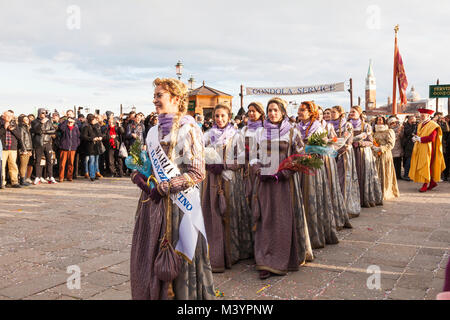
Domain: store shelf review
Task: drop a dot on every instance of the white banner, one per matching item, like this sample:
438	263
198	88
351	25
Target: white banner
294	91
188	201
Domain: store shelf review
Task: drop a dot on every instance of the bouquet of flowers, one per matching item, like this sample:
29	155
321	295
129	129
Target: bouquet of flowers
304	163
139	160
318	143
377	145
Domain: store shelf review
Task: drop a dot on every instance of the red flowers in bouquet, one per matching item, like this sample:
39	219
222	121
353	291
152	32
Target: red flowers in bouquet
304	163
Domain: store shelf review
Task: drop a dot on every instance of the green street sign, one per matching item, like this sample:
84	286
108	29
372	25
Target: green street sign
191	106
440	91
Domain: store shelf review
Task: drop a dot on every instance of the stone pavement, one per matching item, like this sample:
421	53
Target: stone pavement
46	228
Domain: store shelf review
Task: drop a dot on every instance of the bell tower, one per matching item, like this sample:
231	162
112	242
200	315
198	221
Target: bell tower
371	89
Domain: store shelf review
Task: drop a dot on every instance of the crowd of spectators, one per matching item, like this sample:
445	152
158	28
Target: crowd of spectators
50	148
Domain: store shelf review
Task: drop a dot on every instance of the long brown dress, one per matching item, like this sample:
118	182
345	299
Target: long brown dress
195	281
370	191
340	212
385	137
281	238
229	232
348	177
318	204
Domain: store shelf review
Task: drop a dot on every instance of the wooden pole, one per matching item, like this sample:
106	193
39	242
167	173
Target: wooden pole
121	109
351	93
359	101
437	99
394	87
242	96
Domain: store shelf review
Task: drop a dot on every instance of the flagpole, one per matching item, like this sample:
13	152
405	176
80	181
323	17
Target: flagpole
394	88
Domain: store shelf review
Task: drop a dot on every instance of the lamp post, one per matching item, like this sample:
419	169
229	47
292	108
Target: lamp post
191	82
179	69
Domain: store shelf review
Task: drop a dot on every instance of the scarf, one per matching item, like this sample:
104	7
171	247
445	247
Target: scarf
338	125
356	123
166	121
381	128
253	125
221	136
283	128
112	132
303	127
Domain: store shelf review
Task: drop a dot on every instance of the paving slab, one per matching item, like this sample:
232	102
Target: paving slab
44	229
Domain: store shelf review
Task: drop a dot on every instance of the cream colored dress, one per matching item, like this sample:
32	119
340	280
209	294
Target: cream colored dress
385	138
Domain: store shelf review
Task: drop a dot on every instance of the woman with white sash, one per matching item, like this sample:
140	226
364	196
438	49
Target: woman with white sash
179	148
226	213
281	233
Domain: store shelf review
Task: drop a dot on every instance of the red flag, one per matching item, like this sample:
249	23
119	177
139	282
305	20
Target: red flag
401	76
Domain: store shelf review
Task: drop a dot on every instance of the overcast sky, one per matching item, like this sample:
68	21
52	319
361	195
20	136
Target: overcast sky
121	46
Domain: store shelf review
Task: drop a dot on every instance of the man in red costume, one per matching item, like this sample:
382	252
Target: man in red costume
427	162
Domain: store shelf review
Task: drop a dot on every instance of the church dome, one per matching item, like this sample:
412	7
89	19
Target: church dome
413	95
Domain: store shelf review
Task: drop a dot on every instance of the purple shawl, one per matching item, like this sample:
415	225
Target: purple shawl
283	128
338	124
253	125
166	120
304	126
220	136
356	123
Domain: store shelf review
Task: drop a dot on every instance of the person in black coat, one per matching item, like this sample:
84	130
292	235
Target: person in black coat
43	130
92	136
113	138
25	151
409	130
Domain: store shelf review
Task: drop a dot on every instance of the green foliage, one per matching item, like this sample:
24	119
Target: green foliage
318	139
135	152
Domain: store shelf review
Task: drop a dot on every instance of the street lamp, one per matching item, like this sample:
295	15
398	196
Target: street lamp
191	82
179	69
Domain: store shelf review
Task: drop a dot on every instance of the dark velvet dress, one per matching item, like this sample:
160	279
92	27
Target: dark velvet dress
281	238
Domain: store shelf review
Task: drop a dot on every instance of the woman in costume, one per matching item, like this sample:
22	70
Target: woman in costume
180	139
316	188
226	212
327	115
384	142
348	178
256	117
370	191
281	233
341	217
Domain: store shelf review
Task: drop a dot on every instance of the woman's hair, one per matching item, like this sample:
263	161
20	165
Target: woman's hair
281	103
90	117
380	117
259	107
313	109
340	110
225	107
176	88
360	111
20	119
327	109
